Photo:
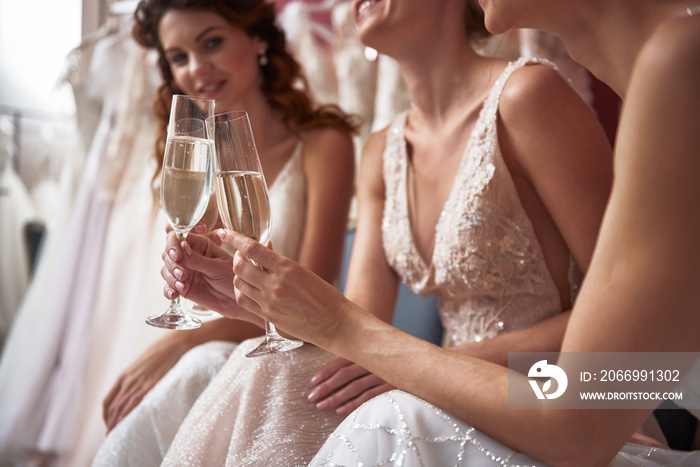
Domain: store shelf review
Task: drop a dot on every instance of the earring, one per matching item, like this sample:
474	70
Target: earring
262	57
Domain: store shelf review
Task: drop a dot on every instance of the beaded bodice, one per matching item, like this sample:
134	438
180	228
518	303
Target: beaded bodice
487	269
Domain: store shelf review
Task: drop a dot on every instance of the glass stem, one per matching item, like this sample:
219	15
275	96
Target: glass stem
180	236
270	331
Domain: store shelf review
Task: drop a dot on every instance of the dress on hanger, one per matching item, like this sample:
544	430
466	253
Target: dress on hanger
38	355
251	411
81	321
128	284
309	39
16	210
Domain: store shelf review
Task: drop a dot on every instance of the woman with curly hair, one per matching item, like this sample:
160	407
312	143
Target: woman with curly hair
233	51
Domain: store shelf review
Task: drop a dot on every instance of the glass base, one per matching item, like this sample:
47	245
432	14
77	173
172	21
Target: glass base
274	344
173	321
194	308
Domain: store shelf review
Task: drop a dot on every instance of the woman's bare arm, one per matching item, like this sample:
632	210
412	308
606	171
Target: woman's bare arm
328	167
640	293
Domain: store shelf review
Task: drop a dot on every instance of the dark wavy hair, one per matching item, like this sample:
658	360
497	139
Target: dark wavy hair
284	85
473	19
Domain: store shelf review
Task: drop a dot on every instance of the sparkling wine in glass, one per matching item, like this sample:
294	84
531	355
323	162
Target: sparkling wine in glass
185	184
242	198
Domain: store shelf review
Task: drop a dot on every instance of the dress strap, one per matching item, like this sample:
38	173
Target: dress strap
294	160
491	104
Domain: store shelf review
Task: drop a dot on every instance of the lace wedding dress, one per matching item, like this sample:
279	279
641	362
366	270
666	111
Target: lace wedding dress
487	269
490	277
254	411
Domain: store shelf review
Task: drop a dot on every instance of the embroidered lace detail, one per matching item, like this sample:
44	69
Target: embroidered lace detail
412	432
487	269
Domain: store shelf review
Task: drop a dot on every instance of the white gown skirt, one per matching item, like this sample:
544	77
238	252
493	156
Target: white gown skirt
399	429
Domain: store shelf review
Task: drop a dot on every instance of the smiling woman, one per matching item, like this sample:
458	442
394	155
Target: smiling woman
232	51
639	295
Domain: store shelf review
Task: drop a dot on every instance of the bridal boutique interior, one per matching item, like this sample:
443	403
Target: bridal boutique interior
81	236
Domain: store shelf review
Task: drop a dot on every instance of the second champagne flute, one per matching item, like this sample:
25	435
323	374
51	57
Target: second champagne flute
185	184
241	194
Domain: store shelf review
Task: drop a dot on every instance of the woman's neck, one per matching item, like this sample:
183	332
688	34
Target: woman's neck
606	36
442	80
268	128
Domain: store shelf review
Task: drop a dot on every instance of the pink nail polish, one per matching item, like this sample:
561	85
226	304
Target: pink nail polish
186	248
173	254
313	395
323	405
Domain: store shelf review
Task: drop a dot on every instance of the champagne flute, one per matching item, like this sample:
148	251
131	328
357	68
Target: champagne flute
241	194
185	184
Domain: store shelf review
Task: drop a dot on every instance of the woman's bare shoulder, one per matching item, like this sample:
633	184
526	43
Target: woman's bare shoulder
672	52
327	139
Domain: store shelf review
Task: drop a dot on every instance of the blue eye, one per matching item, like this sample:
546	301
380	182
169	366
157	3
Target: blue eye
178	58
213	42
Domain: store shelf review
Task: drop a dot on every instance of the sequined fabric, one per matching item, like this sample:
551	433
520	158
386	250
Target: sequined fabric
255	413
216	410
487	268
250	412
144	436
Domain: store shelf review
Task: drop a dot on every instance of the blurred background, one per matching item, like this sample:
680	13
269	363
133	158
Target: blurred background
37	126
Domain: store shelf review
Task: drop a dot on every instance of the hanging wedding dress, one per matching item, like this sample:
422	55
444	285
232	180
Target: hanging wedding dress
16	210
35	355
81	321
310	40
129	286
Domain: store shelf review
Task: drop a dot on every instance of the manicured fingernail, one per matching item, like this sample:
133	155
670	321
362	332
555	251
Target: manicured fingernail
177	272
179	286
323	405
221	233
186	246
342	410
170	294
313	395
173	254
200	228
316	379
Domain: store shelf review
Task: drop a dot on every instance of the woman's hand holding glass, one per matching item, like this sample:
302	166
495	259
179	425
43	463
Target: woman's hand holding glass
281	291
201	270
242	197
